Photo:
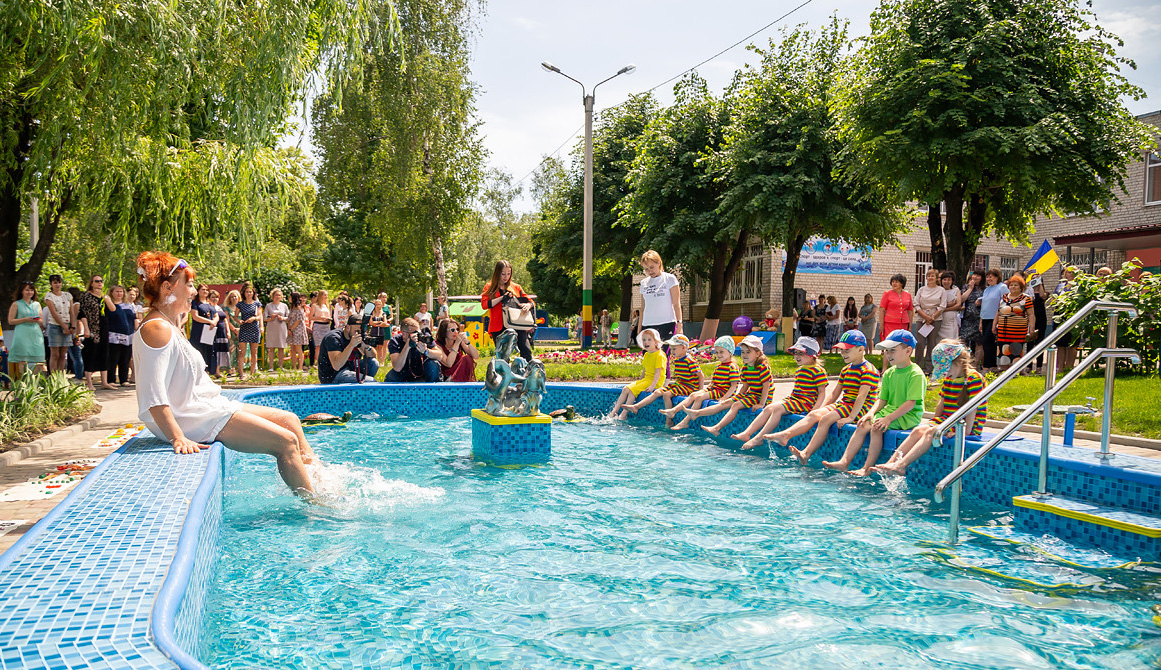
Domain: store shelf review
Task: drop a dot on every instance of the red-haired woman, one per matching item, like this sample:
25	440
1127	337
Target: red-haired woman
501	291
179	402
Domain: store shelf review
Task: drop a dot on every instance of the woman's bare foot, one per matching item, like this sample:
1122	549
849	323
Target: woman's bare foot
680	425
108	387
782	440
836	465
712	430
798	453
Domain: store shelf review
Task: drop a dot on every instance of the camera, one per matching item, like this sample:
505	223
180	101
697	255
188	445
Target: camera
425	336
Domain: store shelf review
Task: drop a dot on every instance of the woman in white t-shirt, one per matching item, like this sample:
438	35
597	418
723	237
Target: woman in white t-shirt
662	296
179	402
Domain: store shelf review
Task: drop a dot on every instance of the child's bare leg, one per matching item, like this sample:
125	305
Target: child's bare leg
755	425
647	400
774	418
853	446
916	444
874	448
684	404
783	437
725	420
827	420
706	411
624	397
691	403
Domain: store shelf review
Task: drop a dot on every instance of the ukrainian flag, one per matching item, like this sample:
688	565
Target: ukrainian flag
1043	260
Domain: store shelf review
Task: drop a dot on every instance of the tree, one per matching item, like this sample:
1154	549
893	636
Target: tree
675	192
1010	107
92	95
492	231
558	243
781	153
402	152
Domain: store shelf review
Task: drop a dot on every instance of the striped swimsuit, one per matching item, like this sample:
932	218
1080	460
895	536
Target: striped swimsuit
949	393
725	375
683	376
752	379
850	379
809	381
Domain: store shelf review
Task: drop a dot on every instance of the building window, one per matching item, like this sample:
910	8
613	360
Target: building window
1153	178
1009	265
922	265
1089	262
748	284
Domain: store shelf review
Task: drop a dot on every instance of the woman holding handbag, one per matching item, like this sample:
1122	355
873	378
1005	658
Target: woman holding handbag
508	306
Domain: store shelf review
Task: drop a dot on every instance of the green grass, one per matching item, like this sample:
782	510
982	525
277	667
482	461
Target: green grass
1134	402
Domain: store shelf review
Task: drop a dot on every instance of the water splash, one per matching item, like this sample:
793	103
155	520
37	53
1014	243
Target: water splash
347	486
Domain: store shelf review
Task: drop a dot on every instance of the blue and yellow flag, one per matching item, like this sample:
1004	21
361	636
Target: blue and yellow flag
1043	260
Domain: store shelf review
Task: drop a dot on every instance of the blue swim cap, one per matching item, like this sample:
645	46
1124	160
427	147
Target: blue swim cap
725	342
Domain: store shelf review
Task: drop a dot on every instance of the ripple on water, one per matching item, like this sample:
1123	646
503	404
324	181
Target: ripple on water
632	548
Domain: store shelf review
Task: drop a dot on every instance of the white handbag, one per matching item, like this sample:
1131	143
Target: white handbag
518	319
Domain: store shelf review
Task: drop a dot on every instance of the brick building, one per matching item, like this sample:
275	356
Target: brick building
1131	228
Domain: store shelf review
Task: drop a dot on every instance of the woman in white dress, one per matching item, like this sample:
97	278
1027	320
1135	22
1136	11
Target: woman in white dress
179	402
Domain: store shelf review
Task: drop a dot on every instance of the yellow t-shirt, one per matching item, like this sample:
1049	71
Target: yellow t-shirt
653	361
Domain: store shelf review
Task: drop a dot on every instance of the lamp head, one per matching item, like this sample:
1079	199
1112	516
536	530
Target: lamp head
549	67
628	69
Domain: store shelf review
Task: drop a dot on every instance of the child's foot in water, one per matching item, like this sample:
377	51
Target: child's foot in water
798	453
839	466
681	425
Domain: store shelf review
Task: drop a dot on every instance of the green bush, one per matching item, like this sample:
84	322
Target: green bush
36	403
266	280
1142	333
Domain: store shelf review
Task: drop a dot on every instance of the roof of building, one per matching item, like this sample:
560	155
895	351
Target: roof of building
1116	238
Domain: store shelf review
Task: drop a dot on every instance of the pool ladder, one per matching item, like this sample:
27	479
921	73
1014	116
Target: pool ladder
1052	389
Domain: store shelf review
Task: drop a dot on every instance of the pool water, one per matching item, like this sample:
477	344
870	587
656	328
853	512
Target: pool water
634	548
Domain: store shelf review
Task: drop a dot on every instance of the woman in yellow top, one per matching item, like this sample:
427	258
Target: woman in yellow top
652	376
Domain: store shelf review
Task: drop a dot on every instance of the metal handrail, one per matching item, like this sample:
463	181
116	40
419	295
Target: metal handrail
1048	396
1028	358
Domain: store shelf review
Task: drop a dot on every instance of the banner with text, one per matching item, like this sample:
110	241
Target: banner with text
821	256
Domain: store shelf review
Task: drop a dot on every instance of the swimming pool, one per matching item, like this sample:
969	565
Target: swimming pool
632	548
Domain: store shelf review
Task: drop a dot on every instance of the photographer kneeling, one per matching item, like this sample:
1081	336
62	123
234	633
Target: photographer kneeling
343	358
412	358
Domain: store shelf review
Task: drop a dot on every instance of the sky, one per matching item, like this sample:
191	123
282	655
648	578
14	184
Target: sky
528	113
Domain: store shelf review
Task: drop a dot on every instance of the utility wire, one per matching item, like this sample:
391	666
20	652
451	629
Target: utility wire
674	77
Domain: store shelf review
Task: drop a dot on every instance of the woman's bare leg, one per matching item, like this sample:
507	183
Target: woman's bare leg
251	432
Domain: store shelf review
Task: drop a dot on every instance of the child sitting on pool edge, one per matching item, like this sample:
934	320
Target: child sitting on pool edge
848	401
755	379
723	384
900	404
685	377
952	362
652	375
809	382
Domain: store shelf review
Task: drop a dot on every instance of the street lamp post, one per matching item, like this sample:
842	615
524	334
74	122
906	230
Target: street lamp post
587	281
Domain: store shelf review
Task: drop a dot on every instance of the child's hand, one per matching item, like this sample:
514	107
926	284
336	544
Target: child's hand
650	389
881	424
843	421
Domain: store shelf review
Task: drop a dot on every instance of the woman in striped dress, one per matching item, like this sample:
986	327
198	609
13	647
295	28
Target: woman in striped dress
1015	322
952	363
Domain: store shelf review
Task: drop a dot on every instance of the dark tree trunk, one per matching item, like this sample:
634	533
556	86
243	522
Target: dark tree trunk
953	231
626	296
793	254
935	232
727	257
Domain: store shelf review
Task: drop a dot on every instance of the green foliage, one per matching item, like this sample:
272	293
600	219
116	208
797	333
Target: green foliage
781	157
1013	107
70	277
558	243
401	154
266	280
38	403
675	194
492	231
1142	333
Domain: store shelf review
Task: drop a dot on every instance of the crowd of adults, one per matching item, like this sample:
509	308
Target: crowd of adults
997	318
347	338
